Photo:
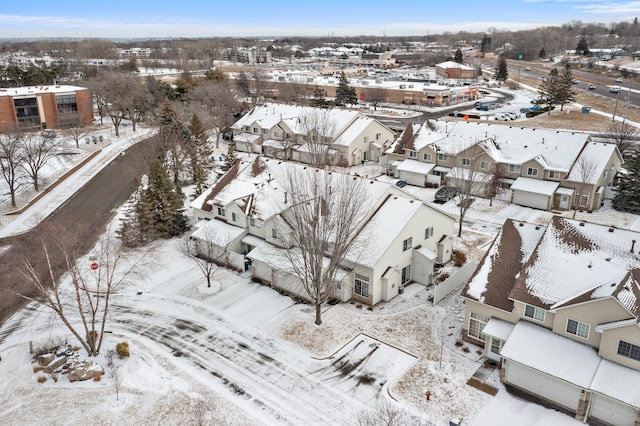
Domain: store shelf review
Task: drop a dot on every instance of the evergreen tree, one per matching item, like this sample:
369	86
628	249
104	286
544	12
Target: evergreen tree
319	99
548	89
627	198
458	56
583	46
542	54
501	74
564	92
345	94
168	116
160	209
202	153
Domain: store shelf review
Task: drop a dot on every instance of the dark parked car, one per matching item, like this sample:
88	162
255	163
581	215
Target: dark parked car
445	193
482	107
401	184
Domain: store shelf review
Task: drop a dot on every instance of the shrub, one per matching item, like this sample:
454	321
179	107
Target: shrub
97	378
37	368
122	349
459	343
42	379
459	258
466	349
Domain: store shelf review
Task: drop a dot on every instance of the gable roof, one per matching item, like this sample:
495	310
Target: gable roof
592	162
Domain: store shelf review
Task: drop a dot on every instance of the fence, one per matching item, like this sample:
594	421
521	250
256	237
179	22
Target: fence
453	282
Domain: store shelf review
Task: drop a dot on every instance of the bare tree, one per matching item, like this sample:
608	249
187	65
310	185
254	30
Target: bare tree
179	150
76	131
386	413
375	95
216	98
82	303
11	158
206	251
625	135
114	372
318	133
583	173
110	93
37	152
320	220
470	179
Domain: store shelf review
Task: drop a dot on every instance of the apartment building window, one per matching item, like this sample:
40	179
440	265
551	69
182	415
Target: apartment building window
443	157
578	328
362	285
484	165
221	211
413	154
513	168
532	171
428	233
426	157
466	161
406	244
534	312
629	350
477	323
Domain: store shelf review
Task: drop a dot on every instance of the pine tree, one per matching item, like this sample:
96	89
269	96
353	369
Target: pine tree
458	56
542	54
501	74
564	91
548	89
160	210
627	198
201	153
345	94
168	115
583	46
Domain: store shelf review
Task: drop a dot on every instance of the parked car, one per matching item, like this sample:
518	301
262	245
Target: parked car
494	106
619	80
527	69
575	81
614	89
482	107
401	184
592	87
502	116
513	114
445	193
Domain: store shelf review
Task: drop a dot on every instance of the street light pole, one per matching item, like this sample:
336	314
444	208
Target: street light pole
626	106
616	107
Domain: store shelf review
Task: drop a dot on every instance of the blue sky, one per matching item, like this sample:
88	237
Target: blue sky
215	18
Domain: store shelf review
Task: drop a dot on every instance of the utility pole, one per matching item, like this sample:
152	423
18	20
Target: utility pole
626	105
616	107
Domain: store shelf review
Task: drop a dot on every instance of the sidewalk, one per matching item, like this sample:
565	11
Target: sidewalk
46	202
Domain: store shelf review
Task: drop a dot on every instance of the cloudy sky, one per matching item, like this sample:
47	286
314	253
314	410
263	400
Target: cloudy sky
214	18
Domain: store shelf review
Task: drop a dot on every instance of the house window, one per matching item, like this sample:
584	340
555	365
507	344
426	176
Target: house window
378	136
413	154
274	232
443	157
366	139
496	345
234	217
362	285
253	222
428	233
578	328
426	157
255	130
513	168
466	161
583	200
554	174
247	128
534	312
406	244
406	274
484	165
265	131
476	325
276	134
220	211
629	350
532	171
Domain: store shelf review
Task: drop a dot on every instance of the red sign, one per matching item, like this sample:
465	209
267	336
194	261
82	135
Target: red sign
94	266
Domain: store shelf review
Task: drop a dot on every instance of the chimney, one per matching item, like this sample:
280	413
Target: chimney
633	243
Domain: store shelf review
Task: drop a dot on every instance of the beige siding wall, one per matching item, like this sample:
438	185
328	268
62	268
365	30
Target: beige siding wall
592	313
610	340
534	165
519	309
486	311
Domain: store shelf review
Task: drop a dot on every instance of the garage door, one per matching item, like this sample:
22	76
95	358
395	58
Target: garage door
531	199
416	179
608	410
554	390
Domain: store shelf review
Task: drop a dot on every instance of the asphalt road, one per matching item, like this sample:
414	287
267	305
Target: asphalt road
83	217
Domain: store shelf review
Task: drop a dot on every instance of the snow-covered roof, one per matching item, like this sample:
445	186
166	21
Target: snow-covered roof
246	137
498	328
356	128
34	90
452	64
415	166
619	382
536	186
592	162
217	232
563	358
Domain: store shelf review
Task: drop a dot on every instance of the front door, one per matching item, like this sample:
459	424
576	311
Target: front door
564	201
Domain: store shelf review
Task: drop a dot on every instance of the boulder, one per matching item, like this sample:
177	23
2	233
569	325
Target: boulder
46	359
84	370
55	364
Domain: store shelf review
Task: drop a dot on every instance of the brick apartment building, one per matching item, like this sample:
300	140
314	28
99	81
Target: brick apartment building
44	107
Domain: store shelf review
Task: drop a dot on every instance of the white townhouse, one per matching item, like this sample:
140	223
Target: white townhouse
399	239
290	132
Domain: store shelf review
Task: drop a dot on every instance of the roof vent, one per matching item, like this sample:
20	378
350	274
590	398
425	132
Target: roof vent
581	223
633	244
521	224
537	227
411	201
590	265
608	259
611	229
